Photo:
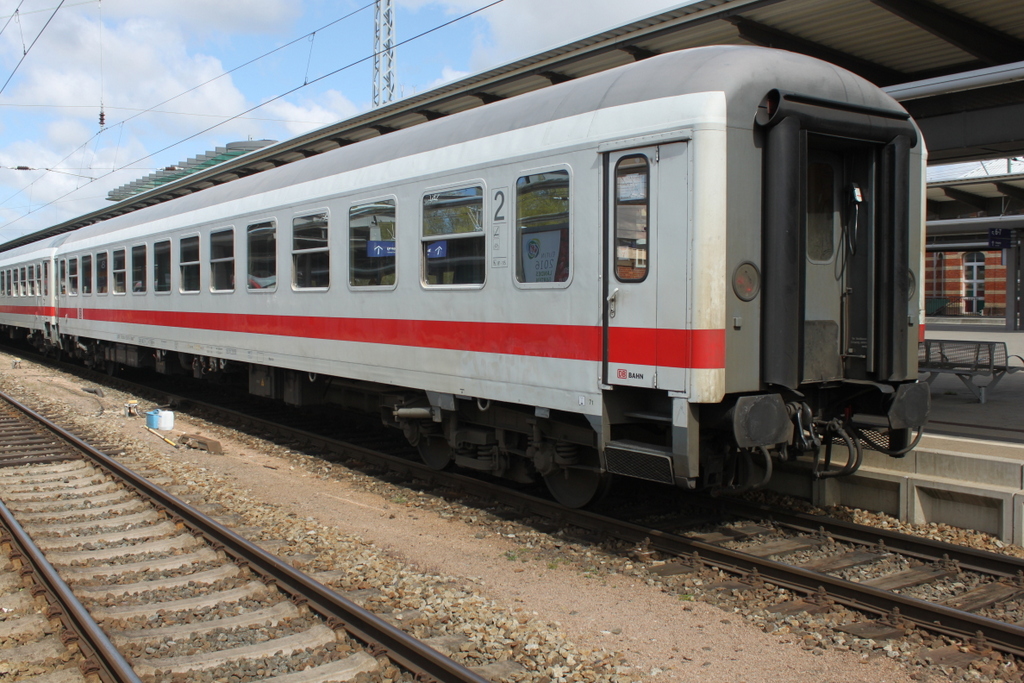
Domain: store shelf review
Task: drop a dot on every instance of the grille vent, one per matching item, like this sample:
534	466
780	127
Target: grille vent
638	460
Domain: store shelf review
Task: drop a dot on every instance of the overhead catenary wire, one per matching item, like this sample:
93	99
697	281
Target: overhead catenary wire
12	16
29	48
266	102
140	112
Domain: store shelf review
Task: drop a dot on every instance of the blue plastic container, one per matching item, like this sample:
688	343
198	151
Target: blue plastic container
153	419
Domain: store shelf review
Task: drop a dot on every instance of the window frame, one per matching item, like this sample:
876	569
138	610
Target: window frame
515	234
158	246
310	213
103	255
349	265
123	251
273	222
616	202
73	275
86	284
214	262
481	234
144	268
197	264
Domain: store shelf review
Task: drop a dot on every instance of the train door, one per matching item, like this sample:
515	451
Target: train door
645	218
838	260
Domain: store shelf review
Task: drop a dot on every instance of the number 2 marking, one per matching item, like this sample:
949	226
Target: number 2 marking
499	197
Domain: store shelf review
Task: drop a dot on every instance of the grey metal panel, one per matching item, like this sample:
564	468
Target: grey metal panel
968	135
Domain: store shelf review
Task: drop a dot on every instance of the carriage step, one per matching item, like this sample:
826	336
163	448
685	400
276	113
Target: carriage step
640	460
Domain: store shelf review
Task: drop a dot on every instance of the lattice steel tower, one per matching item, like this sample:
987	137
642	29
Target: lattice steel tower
383	53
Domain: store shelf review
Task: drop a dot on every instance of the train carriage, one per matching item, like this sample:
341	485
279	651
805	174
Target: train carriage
27	298
681	270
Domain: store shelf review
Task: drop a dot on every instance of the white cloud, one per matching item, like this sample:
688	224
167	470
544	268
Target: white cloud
207	18
306	115
518	28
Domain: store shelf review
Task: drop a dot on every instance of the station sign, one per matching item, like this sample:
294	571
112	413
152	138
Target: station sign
999	238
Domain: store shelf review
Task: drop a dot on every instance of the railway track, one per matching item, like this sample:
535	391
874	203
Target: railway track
148	588
897	584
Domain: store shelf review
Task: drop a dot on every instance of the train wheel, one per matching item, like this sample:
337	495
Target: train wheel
435	452
575	488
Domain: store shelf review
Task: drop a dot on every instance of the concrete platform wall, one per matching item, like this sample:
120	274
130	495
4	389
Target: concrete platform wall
942	483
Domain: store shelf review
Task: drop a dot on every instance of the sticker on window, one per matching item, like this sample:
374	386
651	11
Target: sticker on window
541	252
632	187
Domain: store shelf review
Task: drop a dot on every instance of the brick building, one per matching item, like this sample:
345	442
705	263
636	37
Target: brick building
965	283
969	278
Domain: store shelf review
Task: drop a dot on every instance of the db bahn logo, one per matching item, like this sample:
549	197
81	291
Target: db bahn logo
621	374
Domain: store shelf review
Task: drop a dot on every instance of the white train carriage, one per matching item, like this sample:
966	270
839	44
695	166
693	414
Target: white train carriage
27	297
659	271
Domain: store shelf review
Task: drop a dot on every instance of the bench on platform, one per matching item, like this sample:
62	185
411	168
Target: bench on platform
966	360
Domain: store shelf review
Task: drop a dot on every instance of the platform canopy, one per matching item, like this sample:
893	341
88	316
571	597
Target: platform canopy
957	65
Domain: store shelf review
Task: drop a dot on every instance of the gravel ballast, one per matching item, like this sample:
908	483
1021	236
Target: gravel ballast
562	609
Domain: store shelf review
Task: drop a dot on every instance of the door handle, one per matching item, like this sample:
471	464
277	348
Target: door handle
612	298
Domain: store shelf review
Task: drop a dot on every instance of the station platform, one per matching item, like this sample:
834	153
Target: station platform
968	469
955	410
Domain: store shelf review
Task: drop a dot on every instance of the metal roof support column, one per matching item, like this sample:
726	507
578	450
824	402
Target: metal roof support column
1013	283
383	53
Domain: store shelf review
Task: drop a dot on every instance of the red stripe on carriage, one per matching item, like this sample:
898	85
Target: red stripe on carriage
680	348
29	310
703	349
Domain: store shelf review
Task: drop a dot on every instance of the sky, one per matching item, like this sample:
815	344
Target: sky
175	78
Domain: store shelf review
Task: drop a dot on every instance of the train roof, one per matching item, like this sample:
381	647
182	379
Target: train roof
743	74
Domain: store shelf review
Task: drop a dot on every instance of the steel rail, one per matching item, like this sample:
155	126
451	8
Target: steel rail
929	616
95	645
339	612
982	561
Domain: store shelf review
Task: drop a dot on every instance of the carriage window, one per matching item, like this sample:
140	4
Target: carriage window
46	278
87	275
72	276
31	280
188	260
3	282
222	260
262	239
139	268
101	272
39	280
542	227
311	264
63	276
453	237
371	239
119	271
162	266
632	201
820	212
